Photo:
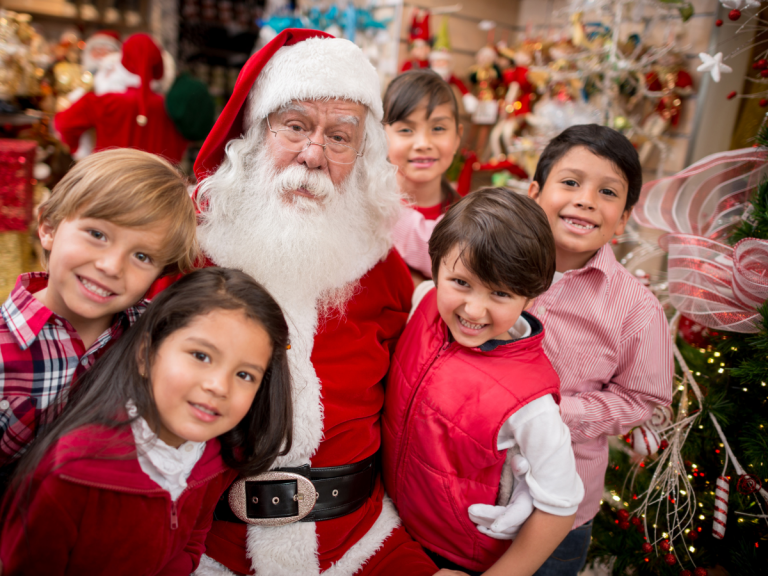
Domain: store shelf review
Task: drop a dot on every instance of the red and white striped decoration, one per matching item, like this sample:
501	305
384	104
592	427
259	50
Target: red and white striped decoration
721	507
645	440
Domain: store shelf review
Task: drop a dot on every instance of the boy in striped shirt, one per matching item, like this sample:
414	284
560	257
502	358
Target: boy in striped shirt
606	334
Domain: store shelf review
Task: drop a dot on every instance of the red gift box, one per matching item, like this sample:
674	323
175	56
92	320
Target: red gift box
17	159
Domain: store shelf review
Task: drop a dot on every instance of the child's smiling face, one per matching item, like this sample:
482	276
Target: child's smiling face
473	311
584	198
423	148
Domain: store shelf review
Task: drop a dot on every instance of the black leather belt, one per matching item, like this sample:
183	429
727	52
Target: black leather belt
301	494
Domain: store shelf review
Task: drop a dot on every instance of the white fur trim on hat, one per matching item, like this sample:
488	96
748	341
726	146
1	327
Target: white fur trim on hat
315	69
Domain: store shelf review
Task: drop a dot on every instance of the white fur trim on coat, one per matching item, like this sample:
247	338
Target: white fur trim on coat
315	69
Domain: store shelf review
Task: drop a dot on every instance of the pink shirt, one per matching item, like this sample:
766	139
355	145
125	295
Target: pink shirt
607	337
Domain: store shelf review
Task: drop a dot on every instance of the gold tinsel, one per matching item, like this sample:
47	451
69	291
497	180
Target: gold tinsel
16	257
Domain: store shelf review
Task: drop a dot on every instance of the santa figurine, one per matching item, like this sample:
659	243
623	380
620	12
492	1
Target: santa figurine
420	41
485	77
441	61
131	118
98	46
516	106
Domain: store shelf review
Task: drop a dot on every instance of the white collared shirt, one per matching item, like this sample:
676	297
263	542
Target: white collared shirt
168	467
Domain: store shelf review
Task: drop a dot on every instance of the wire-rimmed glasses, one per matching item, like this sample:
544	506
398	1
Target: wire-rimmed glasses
296	141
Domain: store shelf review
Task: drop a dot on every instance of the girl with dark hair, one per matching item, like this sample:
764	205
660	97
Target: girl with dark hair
126	479
421	118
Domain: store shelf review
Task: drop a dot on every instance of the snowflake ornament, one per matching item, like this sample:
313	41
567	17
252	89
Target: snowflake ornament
740	4
714	65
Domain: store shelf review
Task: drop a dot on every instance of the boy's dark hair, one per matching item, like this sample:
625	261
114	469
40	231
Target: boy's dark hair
100	395
505	240
601	141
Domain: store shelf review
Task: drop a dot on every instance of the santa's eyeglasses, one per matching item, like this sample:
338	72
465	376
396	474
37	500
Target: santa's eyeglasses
297	141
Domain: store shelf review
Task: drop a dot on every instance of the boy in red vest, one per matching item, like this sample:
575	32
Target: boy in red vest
471	413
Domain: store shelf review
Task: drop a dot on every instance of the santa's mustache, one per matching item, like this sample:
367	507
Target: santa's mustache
297	177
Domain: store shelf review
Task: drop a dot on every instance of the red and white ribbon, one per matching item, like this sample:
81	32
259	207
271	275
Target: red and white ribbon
721	507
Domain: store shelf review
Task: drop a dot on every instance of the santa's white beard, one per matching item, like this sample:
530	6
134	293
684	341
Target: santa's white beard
304	251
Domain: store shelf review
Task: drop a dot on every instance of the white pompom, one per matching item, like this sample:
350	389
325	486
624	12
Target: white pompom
645	440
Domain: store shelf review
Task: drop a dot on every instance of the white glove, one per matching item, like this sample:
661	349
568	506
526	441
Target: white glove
504	522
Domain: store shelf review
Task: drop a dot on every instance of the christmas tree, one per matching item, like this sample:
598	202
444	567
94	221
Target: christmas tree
686	492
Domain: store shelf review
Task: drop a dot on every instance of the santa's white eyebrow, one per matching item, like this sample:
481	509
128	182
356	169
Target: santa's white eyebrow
354	120
294	107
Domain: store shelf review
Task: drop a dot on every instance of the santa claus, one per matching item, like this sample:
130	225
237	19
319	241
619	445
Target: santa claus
297	192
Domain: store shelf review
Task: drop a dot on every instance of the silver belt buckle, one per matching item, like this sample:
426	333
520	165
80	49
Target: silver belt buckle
305	496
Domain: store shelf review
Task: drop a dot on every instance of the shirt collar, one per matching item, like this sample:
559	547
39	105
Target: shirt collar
24	314
603	260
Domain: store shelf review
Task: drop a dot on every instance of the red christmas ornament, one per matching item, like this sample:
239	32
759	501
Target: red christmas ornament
623	515
748	483
732	95
664	546
640	528
664	445
763	102
670	559
694	333
700	571
693	535
718	22
647	548
764	73
686	573
762	63
734	15
636	521
624	525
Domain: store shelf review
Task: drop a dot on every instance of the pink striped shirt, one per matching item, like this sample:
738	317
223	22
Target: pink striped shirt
607	337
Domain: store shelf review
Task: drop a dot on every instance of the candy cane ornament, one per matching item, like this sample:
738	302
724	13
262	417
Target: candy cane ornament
721	508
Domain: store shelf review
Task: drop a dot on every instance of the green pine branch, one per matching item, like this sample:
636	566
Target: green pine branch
756	226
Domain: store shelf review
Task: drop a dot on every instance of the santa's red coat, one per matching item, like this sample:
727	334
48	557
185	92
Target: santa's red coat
114	118
351	357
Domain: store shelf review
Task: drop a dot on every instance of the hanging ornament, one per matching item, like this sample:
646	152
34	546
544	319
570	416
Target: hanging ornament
731	95
734	15
694	333
664	546
670	559
721	508
718	22
763	102
700	571
748	484
647	548
624	525
645	440
623	515
686	573
714	65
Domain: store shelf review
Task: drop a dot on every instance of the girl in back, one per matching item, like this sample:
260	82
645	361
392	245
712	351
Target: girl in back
126	479
421	118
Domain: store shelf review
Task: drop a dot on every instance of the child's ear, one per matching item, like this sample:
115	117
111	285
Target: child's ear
533	190
46	231
622	222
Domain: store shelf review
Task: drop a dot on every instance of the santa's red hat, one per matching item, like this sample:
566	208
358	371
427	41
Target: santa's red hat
296	65
142	57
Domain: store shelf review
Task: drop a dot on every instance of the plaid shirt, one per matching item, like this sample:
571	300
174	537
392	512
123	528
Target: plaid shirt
40	354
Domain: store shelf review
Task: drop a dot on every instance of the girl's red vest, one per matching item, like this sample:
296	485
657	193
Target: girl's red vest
444	408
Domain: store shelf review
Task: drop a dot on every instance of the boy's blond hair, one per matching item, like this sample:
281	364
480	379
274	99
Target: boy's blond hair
134	189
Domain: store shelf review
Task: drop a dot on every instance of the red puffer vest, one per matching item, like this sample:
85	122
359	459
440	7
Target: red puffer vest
444	408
